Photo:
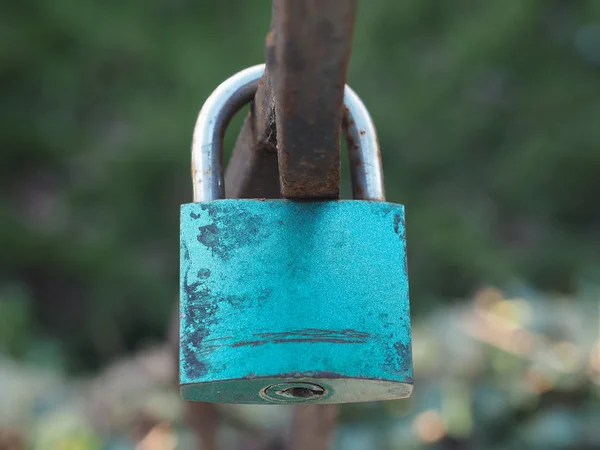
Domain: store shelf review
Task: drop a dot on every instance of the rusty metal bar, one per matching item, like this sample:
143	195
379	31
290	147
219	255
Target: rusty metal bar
297	111
291	138
312	51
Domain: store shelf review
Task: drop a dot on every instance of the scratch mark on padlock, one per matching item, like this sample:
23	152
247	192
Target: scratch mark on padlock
400	229
186	251
397	220
319	332
198	314
405	353
399	358
307	335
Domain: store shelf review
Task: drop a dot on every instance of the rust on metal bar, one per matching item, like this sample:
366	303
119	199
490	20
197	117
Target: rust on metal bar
290	145
312	51
292	134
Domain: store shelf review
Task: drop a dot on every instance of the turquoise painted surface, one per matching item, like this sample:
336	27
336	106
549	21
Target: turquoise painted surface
284	289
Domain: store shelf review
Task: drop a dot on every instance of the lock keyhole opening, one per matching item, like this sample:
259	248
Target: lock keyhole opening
301	392
291	392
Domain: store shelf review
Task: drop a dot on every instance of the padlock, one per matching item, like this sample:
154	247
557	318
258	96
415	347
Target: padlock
288	302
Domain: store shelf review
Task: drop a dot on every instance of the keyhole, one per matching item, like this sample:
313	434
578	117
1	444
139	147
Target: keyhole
301	392
291	392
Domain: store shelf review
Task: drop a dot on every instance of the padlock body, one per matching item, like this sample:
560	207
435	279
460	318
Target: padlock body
294	302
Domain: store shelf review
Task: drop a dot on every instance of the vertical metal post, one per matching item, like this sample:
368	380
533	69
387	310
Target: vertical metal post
289	146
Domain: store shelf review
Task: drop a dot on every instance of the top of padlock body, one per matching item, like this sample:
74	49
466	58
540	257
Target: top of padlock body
230	96
286	302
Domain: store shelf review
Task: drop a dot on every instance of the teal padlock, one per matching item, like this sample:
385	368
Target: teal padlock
287	302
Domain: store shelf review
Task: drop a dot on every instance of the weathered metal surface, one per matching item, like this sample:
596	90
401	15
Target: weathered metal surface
312	50
279	291
292	302
307	53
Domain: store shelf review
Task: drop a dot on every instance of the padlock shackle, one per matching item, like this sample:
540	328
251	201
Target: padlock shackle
366	169
207	144
229	97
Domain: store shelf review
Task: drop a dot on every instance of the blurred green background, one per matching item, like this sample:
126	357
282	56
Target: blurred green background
488	114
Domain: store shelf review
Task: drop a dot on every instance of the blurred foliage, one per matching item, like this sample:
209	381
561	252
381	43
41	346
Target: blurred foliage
487	113
502	372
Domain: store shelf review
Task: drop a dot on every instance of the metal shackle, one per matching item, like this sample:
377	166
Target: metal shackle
229	97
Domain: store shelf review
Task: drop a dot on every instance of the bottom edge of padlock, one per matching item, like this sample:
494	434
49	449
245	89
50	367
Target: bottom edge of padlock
277	390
